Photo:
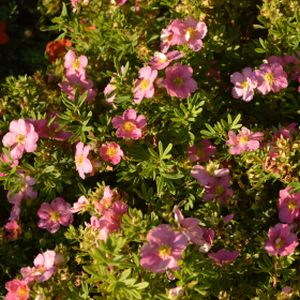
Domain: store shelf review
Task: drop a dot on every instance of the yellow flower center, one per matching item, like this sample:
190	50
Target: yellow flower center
243	140
269	78
54	216
76	64
220	190
178	81
164	251
129	126
20	138
80	159
292	205
144	84
190	32
279	243
21	292
201	153
111	151
245	84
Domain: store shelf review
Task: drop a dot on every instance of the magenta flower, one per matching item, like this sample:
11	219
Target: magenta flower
129	125
45	265
55	214
83	164
121	2
271	77
111	152
201	152
13	230
281	241
288	205
21	138
244	141
17	290
244	84
219	190
286	132
179	81
223	257
162	60
144	86
194	32
75	67
163	250
190	227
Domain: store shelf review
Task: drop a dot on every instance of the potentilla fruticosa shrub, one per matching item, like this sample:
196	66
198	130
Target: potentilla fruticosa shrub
156	155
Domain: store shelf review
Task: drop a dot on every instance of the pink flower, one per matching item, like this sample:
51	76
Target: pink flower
172	35
129	125
109	196
55	214
111	219
80	205
179	81
281	241
45	265
26	191
17	290
13	230
223	257
271	77
244	141
289	206
111	152
108	91
201	153
82	84
245	83
191	229
176	293
21	138
228	218
75	67
121	2
144	86
162	60
83	164
163	250
194	32
219	190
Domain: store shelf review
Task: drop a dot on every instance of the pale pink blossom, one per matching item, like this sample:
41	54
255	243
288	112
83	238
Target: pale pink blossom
281	241
13	230
172	35
108	91
190	227
83	164
223	257
271	77
75	67
53	215
45	265
162	60
17	290
202	151
194	32
111	152
244	141
129	125
144	86
80	205
288	206
244	84
109	196
175	293
163	250
179	82
21	138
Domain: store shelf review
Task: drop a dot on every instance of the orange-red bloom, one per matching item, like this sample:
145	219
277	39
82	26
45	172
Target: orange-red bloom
57	49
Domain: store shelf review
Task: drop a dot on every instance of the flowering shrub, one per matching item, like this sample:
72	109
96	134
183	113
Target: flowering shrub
150	150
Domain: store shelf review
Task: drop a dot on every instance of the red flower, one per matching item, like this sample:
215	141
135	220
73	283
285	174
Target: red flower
3	35
56	49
